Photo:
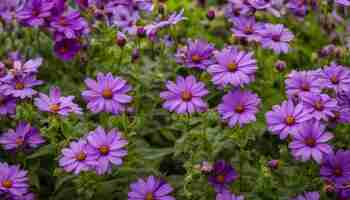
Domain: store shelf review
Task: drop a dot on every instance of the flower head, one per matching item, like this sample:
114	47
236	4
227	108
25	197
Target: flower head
9	9
7	105
300	83
107	93
185	95
308	196
13	180
311	141
151	188
21	86
276	37
35	12
228	196
287	118
247	28
321	106
24	137
344	3
222	175
107	148
336	167
234	67
335	77
239	107
67	49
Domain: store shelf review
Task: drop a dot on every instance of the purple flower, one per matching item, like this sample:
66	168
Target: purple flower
228	196
125	19
9	9
24	137
21	86
246	28
311	141
69	25
151	188
67	49
335	77
239	107
344	3
76	158
308	196
222	175
107	94
234	67
341	115
57	104
35	12
276	37
321	106
185	95
300	83
24	68
274	164
287	118
7	105
197	54
13	180
107	148
297	7
336	167
260	4
236	8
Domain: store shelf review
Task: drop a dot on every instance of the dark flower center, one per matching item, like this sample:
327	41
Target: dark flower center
55	108
149	196
81	156
290	120
334	80
319	105
19	141
19	86
276	38
186	95
220	178
196	58
338	171
7	184
305	87
2	100
311	142
35	12
64	48
104	150
232	67
335	117
248	30
239	108
63	21
107	93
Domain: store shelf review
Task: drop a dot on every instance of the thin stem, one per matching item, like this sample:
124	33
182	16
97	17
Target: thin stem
121	57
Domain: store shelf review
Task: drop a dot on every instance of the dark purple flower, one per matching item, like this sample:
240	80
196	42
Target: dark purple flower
246	28
107	94
151	188
185	95
308	196
274	164
280	65
311	141
336	167
21	86
276	37
226	195
13	180
321	106
300	83
222	175
233	67
76	158
57	104
35	12
336	77
107	148
197	54
239	107
7	105
287	118
66	49
25	136
298	7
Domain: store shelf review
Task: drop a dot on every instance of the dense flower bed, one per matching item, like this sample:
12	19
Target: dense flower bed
177	99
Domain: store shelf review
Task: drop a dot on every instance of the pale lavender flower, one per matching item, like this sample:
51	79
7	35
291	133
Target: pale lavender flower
35	12
21	86
13	180
151	188
276	37
246	28
335	77
300	83
321	106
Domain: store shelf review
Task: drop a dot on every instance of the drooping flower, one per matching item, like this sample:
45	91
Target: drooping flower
235	67
222	175
35	12
7	105
311	141
321	106
76	158
57	104
239	107
226	195
300	83
24	137
276	37
13	180
336	167
67	49
108	94
185	95
151	188
308	196
107	148
246	28
335	77
197	54
21	86
286	118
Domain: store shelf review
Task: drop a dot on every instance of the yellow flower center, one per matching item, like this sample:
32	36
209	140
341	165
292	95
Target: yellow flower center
149	196
104	150
232	67
107	93
19	141
239	109
186	95
220	178
7	184
55	108
80	156
290	120
334	80
311	142
319	105
196	58
19	86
